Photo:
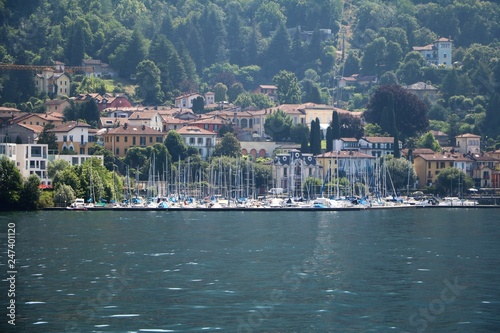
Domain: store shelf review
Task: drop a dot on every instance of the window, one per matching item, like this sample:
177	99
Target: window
117	138
442	165
36	151
142	141
117	151
82	150
200	141
71	138
191	141
133	140
158	139
65	138
125	139
150	139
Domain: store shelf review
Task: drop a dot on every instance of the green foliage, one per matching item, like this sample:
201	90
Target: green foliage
63	195
48	138
315	137
11	183
277	125
46	200
450	180
176	146
288	88
410	112
428	141
149	84
401	172
30	194
228	146
298	132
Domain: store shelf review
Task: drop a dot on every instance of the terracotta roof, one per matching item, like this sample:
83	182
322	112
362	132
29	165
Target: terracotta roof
443	158
68	126
194	130
34	128
468	135
421	86
143	115
345	154
379	139
55	102
429	47
133	130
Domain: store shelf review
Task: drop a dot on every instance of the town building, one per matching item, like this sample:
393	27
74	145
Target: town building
74	135
428	166
468	143
290	171
120	139
438	53
424	91
56	105
53	83
378	145
199	138
29	159
268	89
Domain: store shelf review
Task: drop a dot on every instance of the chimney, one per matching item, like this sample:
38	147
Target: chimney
143	127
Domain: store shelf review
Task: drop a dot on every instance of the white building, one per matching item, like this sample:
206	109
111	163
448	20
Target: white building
377	145
199	138
438	53
468	144
29	159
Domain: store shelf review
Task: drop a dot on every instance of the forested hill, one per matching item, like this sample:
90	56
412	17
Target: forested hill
195	44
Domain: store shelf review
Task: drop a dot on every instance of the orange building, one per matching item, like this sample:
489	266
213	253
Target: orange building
120	139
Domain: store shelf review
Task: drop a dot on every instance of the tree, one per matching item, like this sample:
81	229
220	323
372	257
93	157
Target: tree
410	112
401	172
55	166
298	132
335	125
329	138
278	52
176	146
428	141
315	137
148	83
352	64
277	125
64	195
198	105
373	56
228	146
350	126
234	91
288	88
30	193
220	91
48	138
11	184
451	180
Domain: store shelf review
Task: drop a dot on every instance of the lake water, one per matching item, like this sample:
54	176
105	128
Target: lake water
413	270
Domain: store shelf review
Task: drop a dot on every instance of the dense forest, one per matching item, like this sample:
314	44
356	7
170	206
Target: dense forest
173	47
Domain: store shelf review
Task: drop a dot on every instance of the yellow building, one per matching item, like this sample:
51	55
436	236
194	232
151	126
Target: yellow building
428	166
120	139
52	82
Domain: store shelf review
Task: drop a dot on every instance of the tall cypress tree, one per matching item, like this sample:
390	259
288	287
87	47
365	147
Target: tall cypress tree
335	125
329	138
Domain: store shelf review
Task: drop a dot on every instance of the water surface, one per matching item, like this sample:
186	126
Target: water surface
415	270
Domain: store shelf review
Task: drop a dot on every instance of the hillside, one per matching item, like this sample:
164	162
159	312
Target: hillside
193	45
